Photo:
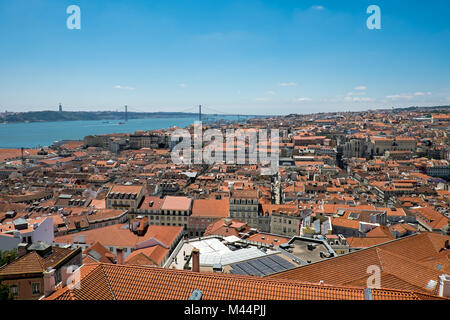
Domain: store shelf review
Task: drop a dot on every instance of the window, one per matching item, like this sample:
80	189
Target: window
58	276
14	289
36	287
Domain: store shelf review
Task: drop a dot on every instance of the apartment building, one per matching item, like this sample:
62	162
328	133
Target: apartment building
206	212
379	145
28	275
244	206
26	231
175	211
125	198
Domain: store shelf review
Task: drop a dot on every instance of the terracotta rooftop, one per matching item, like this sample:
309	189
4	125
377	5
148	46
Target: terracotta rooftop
408	263
147	256
122	282
244	194
210	208
176	203
105	214
98	253
120	236
126	189
32	262
268	238
222	229
151	203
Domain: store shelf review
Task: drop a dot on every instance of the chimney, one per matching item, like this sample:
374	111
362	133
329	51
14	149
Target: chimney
65	274
119	256
196	260
49	282
22	249
444	285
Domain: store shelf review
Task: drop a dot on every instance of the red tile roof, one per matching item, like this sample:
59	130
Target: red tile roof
210	208
32	262
407	260
117	235
176	203
122	282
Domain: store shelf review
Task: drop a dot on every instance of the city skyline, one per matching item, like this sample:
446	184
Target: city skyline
253	57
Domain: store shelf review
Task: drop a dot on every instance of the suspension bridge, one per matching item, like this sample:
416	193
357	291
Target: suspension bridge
204	113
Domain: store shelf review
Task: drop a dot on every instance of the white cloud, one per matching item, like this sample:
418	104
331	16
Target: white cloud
360	88
359	99
422	94
287	84
302	99
356	94
318	7
400	97
124	87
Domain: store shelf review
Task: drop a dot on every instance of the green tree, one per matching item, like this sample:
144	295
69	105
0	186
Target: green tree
5	294
7	256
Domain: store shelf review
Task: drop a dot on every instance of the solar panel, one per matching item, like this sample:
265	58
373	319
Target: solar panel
239	270
257	264
274	267
253	270
282	262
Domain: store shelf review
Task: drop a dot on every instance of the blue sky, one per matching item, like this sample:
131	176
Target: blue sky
264	57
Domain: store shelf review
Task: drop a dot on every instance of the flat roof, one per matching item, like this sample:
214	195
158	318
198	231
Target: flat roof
176	203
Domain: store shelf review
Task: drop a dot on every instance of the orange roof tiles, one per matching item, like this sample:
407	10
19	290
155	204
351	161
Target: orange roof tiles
210	208
105	255
431	217
126	189
176	203
402	259
32	262
147	256
268	238
119	282
116	235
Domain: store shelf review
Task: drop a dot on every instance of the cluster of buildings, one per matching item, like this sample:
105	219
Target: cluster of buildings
352	192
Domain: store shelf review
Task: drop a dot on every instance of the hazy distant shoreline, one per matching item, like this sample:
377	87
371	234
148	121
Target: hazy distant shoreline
52	116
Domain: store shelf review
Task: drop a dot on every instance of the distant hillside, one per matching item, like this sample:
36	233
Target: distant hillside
43	116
